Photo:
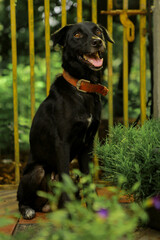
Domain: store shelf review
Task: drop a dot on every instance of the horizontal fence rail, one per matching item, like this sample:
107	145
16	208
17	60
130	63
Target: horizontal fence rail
128	35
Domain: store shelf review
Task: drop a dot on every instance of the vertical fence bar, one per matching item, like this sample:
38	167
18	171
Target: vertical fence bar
47	44
15	95
143	61
110	71
125	70
156	59
64	13
31	52
96	162
94	11
79	11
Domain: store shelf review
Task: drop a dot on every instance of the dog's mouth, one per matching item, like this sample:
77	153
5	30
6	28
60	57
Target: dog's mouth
93	60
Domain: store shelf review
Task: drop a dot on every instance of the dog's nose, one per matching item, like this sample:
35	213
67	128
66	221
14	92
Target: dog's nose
96	42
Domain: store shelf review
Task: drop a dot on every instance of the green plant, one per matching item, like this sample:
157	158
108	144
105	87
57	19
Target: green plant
134	153
101	219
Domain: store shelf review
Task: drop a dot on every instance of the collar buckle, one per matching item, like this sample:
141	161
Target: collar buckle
78	85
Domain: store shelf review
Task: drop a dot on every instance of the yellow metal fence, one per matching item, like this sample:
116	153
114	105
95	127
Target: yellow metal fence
128	35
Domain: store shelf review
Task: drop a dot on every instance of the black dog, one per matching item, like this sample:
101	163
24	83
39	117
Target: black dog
67	120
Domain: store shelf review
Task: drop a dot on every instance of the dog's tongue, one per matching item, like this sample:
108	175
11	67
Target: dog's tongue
94	60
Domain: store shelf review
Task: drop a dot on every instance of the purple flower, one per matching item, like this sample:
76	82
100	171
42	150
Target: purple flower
103	213
156	202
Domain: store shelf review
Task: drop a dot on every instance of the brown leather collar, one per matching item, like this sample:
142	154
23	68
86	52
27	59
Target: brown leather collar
85	86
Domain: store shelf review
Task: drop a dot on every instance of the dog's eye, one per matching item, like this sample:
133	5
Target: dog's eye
98	32
78	35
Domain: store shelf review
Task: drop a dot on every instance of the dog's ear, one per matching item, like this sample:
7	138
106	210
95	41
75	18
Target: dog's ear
59	36
106	34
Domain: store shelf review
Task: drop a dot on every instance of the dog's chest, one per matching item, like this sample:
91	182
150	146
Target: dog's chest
92	112
89	120
89	127
86	118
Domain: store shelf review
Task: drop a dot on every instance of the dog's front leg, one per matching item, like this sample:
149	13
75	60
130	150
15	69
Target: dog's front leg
63	159
85	157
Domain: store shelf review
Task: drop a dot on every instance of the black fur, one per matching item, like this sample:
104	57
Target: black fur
67	120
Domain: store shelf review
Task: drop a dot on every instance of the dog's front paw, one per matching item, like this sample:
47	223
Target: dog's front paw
29	213
46	208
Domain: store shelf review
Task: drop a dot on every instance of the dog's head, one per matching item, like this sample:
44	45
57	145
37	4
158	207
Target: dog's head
84	45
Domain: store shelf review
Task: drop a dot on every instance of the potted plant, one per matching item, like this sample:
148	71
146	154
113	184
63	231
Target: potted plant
133	153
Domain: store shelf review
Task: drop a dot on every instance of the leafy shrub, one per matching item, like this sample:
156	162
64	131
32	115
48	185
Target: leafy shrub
101	219
135	154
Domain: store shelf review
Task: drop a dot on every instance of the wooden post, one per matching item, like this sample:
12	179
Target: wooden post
156	59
